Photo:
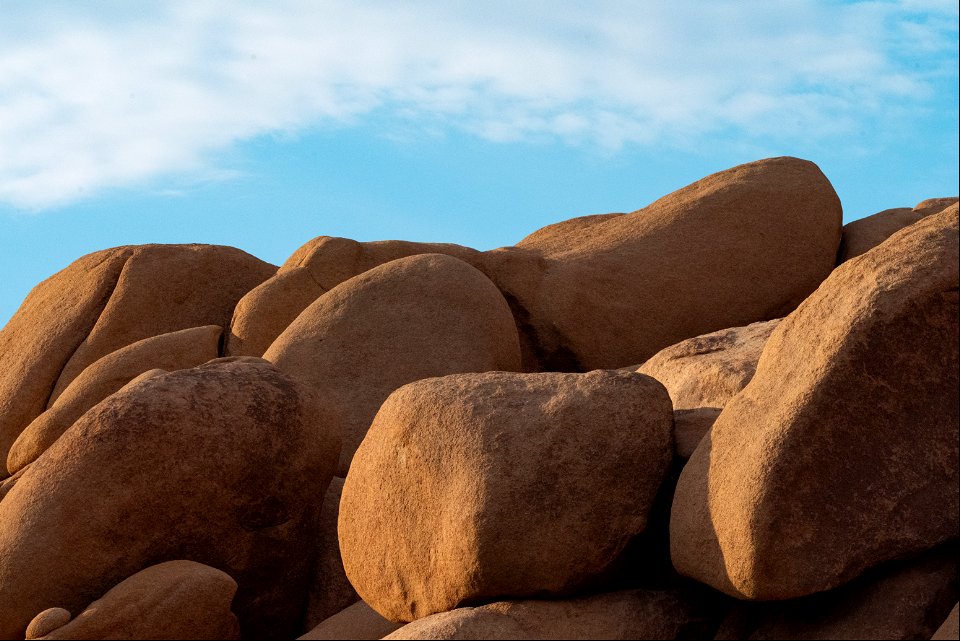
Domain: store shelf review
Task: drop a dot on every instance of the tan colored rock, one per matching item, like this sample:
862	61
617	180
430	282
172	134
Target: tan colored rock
950	627
38	341
934	205
473	487
408	319
709	370
740	246
689	428
46	622
358	621
632	614
176	350
171	600
900	600
165	288
842	451
314	269
220	463
330	591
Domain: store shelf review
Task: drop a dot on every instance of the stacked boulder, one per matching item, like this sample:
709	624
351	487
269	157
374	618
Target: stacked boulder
684	422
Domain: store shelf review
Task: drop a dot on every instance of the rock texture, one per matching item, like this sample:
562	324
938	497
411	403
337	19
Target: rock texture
408	319
634	614
313	270
172	600
475	487
359	621
330	591
38	341
740	246
46	622
863	234
948	630
219	464
842	451
165	288
173	351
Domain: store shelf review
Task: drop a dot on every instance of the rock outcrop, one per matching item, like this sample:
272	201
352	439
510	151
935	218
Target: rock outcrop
842	451
475	487
863	234
359	621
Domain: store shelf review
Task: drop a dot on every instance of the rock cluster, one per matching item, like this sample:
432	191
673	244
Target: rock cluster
719	416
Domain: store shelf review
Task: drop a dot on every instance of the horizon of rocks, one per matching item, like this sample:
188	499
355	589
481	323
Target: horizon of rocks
725	416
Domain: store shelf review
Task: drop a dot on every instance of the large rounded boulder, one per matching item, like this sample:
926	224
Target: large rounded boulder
412	318
743	245
221	464
474	487
842	451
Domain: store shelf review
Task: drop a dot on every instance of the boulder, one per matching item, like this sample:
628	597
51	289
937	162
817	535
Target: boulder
862	235
358	621
165	288
841	453
412	318
948	630
38	341
934	205
176	350
330	591
218	464
46	622
312	270
171	600
899	600
474	487
743	245
689	428
631	614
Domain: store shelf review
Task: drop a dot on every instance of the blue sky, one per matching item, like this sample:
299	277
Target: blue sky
262	126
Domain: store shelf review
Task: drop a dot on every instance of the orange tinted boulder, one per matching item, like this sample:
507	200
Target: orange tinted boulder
740	246
472	487
841	453
359	621
173	351
46	622
934	205
314	269
408	319
862	235
38	341
949	628
171	600
165	288
330	591
220	464
631	614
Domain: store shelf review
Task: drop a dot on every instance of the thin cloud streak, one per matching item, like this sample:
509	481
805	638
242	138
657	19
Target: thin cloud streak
94	96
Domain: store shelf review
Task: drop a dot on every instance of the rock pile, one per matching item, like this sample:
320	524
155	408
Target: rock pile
720	416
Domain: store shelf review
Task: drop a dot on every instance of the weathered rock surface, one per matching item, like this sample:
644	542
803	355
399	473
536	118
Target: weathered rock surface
862	235
740	246
633	614
842	451
689	428
220	464
314	269
358	621
172	600
165	288
900	600
412	318
46	622
475	487
38	341
173	351
950	627
330	591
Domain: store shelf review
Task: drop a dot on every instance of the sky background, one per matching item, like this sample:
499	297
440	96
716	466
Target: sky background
264	126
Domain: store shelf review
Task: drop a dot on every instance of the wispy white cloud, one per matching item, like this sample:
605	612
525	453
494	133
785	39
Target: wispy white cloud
96	95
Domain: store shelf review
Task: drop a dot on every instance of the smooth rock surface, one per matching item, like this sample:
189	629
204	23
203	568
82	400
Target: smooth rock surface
173	351
744	245
172	600
475	487
46	622
330	591
38	341
863	234
358	621
412	318
633	614
314	269
165	288
842	451
220	464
